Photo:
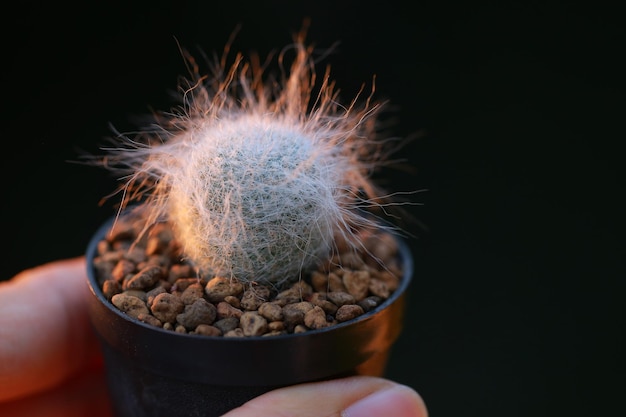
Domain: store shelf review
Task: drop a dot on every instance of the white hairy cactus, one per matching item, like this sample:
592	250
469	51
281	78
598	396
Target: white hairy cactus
257	177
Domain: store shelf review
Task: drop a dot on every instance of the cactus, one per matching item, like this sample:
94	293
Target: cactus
259	179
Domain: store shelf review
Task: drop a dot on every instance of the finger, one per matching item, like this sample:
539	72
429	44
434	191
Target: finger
359	396
45	335
84	395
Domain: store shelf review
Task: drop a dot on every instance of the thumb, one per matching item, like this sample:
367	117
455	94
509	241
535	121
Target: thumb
359	396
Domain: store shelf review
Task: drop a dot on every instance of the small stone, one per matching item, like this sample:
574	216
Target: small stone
315	318
122	269
271	311
348	312
207	330
370	303
135	254
357	283
276	326
181	284
200	312
166	307
233	301
300	328
274	333
220	287
255	296
296	293
320	299
150	319
351	260
335	283
391	279
178	271
154	245
137	293
144	279
319	281
253	324
192	293
130	305
379	288
294	313
383	248
180	329
235	333
341	298
227	324
226	310
110	288
150	295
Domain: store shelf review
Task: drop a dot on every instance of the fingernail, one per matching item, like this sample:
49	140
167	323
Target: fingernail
399	401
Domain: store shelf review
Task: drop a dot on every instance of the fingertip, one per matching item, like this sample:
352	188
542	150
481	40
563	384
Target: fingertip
398	401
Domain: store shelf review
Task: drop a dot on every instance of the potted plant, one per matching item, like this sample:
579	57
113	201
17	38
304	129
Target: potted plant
249	251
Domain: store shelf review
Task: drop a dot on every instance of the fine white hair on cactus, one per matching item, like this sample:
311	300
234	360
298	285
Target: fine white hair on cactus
258	177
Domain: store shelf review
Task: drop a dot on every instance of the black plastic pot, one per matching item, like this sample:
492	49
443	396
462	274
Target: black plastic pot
154	372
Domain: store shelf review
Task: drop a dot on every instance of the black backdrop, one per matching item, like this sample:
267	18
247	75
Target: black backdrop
517	307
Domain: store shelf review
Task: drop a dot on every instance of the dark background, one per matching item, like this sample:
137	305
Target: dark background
517	304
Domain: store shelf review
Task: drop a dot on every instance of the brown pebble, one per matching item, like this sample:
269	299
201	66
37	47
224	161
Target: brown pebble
227	324
122	269
233	301
207	330
383	248
255	296
300	328
130	305
390	279
181	284
200	312
370	303
274	333
135	254
357	283
192	293
379	288
220	287
110	288
271	311
319	281
144	279
137	293
235	333
296	293
315	318
154	245
340	298
153	293
335	283
348	312
150	319
252	323
226	310
276	326
178	271
166	307
351	260
294	313
321	300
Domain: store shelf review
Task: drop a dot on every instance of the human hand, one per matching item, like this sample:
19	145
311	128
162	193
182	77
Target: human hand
50	363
